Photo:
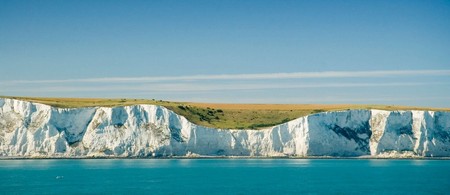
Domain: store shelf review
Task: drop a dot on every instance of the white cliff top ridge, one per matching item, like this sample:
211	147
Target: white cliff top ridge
30	130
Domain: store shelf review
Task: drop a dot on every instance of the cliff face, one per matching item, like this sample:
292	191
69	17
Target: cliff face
35	130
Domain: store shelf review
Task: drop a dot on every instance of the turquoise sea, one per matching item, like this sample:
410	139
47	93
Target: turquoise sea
225	176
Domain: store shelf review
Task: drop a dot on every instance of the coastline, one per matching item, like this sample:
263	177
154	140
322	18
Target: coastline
227	158
155	132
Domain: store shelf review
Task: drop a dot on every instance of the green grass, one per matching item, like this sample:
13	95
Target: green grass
230	116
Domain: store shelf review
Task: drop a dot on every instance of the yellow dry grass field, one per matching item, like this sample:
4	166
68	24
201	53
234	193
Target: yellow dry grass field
225	116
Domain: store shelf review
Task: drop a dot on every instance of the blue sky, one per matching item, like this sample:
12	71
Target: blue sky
378	52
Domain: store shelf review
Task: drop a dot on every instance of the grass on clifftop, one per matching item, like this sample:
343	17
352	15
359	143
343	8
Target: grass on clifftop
229	116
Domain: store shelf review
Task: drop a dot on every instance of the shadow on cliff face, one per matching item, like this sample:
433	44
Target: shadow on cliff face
345	133
72	122
398	134
361	134
442	126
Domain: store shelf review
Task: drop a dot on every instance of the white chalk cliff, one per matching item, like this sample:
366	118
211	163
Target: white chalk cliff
35	130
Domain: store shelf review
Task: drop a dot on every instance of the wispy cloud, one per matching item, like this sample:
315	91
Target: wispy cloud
265	76
197	87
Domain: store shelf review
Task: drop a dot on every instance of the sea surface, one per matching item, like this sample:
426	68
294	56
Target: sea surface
225	176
